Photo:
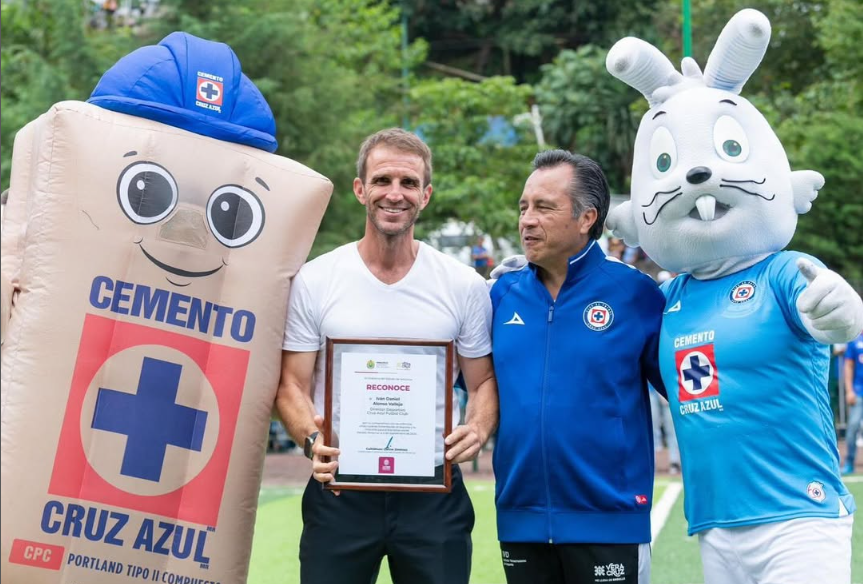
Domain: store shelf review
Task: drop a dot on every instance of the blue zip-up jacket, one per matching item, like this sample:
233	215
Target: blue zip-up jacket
573	459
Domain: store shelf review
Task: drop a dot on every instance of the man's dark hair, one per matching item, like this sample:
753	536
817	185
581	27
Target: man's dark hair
588	188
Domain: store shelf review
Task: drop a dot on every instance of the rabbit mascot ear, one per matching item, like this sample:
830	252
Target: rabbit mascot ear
153	237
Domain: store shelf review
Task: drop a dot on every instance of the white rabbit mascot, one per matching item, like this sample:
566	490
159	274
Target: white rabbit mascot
744	348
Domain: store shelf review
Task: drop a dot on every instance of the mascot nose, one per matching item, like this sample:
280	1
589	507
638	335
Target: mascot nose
187	227
698	175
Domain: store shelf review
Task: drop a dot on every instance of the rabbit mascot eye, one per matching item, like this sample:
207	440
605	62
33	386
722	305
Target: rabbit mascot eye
743	350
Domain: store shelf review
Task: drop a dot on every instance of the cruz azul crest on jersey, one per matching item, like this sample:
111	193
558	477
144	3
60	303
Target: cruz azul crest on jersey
697	375
743	291
150	421
598	316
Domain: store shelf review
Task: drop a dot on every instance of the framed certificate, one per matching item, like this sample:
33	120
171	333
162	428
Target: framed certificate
388	407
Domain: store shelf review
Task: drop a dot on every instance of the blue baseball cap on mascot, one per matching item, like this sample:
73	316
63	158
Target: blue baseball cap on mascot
193	84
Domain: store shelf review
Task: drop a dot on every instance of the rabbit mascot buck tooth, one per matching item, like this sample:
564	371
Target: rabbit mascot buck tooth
743	352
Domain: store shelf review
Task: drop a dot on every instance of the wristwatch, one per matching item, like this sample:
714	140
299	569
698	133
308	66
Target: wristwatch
310	441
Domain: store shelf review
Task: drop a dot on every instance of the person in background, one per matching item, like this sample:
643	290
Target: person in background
854	398
631	254
663	425
616	247
110	7
663	428
480	257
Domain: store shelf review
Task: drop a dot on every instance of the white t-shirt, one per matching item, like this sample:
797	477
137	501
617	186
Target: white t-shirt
336	296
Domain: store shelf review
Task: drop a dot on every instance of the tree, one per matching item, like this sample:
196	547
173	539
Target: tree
793	59
825	133
503	37
830	142
586	110
478	177
47	56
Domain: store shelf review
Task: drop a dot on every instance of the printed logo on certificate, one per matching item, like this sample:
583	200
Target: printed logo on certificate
388	407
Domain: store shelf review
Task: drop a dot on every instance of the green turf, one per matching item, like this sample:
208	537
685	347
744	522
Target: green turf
676	559
277	538
276	547
675	555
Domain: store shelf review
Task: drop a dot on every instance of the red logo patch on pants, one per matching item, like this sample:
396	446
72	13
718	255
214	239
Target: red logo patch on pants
150	421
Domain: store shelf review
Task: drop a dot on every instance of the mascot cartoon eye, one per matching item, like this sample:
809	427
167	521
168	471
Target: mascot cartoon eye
663	152
730	140
147	192
235	215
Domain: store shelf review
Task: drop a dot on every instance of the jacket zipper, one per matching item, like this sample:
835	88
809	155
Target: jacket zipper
542	424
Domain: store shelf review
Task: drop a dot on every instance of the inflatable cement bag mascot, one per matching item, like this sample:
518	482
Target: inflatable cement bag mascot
150	240
746	328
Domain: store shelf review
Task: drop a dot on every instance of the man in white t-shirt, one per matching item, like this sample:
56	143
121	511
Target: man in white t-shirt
387	285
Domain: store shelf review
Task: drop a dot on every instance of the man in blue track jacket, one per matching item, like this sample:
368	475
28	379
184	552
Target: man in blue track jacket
574	343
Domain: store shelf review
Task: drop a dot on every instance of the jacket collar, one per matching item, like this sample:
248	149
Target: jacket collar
588	258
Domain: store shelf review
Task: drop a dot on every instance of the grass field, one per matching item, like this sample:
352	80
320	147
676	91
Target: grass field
675	555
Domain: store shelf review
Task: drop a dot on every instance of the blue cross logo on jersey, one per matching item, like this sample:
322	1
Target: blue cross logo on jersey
696	373
150	419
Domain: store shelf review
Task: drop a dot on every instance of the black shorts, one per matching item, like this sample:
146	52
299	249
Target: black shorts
425	536
541	563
